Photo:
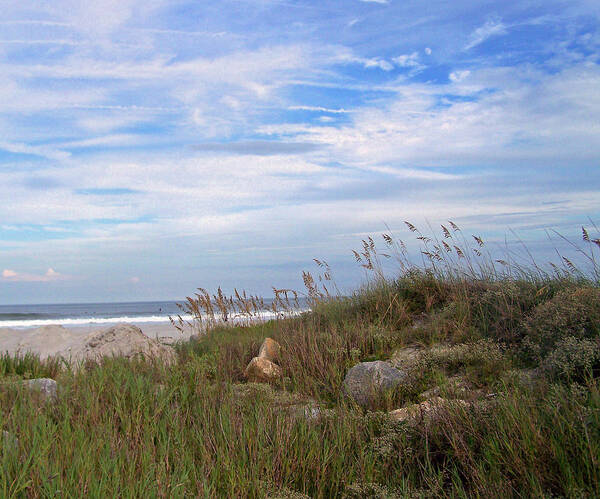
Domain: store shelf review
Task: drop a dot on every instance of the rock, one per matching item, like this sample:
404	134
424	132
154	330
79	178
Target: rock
311	412
270	350
46	386
369	381
407	359
9	441
425	411
122	340
262	370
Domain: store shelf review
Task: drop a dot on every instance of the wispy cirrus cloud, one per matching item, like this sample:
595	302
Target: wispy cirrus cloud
488	30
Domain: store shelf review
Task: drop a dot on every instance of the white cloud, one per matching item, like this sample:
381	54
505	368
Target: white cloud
376	1
498	115
407	60
112	140
460	75
29	41
119	77
488	30
376	63
51	273
43	151
12	276
319	109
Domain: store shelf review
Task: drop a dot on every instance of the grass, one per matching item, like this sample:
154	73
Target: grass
519	343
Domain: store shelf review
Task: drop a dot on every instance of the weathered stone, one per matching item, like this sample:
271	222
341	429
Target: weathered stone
270	350
407	359
310	412
425	411
368	382
46	386
262	370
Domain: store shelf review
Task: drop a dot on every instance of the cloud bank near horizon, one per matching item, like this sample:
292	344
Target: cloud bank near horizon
152	147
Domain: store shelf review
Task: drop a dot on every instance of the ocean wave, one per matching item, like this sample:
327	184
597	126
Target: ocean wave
90	321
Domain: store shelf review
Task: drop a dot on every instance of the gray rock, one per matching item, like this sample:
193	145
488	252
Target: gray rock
46	386
310	412
368	382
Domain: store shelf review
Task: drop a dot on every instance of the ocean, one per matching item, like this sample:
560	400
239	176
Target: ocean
83	314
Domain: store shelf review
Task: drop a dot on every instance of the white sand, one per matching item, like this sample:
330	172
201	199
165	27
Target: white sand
52	340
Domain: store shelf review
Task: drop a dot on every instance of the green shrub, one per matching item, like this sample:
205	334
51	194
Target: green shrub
482	361
369	490
28	366
571	312
499	308
574	359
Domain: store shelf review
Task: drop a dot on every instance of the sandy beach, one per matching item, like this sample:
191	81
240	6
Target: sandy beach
51	340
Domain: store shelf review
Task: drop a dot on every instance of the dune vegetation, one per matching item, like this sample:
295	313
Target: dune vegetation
518	343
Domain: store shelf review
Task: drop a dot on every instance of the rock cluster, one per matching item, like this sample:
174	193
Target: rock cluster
263	369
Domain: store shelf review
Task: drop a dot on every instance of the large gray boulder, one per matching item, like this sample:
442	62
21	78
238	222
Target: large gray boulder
369	382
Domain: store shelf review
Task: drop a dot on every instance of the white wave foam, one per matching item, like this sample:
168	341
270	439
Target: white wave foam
90	321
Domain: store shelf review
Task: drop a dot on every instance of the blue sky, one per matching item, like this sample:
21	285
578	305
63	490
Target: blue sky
151	147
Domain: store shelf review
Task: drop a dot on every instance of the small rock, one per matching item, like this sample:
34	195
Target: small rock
46	386
9	441
310	412
369	381
425	410
262	370
270	350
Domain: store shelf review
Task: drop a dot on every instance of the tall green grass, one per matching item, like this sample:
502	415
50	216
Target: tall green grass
519	340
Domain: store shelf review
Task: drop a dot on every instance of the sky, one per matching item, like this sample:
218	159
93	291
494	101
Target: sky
151	147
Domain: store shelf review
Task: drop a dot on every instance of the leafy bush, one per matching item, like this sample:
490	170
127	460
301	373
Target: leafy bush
570	313
482	360
499	308
574	359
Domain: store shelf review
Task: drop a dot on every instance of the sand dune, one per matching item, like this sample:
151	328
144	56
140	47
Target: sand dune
56	340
